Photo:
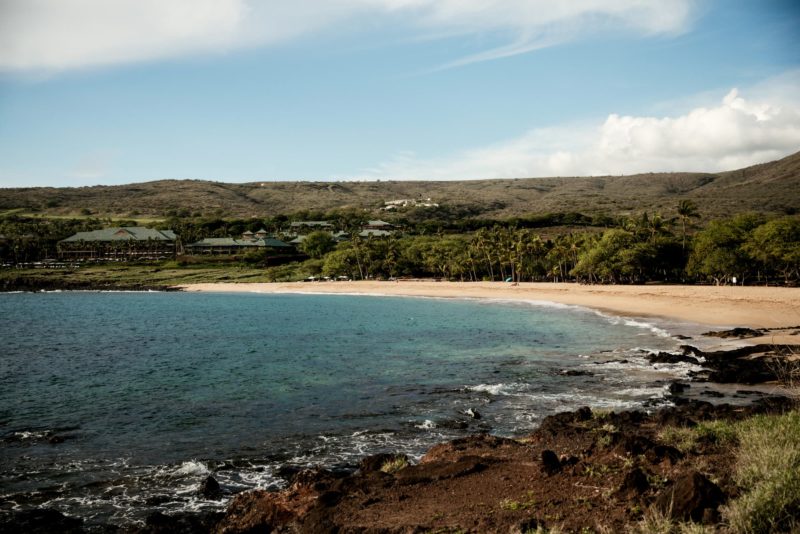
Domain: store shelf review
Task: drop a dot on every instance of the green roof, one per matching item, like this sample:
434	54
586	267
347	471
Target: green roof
231	242
125	233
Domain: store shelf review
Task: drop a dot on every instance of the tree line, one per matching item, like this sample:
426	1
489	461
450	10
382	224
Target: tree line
747	248
750	248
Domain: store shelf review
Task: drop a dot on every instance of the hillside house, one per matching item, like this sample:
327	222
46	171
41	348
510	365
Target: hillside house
128	243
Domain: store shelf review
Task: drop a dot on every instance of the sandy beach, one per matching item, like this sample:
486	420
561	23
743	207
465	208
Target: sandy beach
723	306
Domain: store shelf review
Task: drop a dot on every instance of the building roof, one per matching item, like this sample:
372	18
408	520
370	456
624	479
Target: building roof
374	233
378	223
231	242
298	224
125	233
274	243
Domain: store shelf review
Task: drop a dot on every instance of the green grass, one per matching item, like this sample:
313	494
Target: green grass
685	439
657	522
512	505
133	275
768	470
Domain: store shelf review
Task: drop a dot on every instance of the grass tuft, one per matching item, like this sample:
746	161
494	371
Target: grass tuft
768	470
393	466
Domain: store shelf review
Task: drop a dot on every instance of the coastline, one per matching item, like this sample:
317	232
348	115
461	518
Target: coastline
717	307
597	453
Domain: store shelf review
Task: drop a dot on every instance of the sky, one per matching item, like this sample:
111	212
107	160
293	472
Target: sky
119	91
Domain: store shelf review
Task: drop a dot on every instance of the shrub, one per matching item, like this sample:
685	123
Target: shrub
393	466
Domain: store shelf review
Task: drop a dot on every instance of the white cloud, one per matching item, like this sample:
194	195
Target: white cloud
55	35
733	133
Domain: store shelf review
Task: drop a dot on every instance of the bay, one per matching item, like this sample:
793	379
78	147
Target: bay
148	393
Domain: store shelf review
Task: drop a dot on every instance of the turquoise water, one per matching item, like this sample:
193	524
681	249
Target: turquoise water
151	392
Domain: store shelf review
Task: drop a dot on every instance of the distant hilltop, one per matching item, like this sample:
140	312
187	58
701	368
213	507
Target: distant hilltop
770	187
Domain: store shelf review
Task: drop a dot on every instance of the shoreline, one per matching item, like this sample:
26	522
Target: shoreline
513	473
716	307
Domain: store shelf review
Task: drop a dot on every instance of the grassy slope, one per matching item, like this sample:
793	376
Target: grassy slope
126	276
770	187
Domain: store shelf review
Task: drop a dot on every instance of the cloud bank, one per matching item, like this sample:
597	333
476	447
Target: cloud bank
57	35
734	133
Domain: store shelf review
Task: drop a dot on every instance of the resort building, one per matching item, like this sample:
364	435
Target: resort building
128	243
229	246
377	229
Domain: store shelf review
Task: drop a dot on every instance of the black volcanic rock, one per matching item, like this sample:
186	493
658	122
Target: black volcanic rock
690	498
210	489
550	462
41	521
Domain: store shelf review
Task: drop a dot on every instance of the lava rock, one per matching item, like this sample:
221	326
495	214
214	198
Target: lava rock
690	497
678	387
442	470
575	372
735	332
41	521
633	485
527	525
210	489
550	462
668	357
187	523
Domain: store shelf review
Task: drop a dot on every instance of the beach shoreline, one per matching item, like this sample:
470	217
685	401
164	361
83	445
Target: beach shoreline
718	307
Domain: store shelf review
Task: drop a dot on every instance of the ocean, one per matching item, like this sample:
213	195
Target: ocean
114	405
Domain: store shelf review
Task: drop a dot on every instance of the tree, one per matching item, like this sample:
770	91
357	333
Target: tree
341	262
613	258
317	244
718	253
776	245
686	210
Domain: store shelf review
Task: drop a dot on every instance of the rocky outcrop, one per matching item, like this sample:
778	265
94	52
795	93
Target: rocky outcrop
751	364
739	333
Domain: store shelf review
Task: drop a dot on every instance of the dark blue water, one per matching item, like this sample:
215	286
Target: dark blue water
151	392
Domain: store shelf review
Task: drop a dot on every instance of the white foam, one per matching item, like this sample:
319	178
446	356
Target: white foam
492	389
427	424
191	468
31	434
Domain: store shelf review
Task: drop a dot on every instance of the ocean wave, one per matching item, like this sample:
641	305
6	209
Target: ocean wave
635	323
191	468
427	424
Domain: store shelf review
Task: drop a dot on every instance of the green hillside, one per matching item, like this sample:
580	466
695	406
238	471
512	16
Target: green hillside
771	187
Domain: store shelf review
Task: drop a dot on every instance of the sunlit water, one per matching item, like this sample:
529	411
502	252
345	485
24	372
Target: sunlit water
152	392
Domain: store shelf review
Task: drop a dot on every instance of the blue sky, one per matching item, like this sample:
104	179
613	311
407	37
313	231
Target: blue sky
118	91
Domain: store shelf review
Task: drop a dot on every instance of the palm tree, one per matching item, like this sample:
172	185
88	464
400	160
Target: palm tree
686	210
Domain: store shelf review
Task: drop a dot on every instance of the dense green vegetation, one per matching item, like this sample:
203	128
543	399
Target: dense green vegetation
749	248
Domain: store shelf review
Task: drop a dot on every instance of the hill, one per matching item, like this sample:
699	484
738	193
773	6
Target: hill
770	187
